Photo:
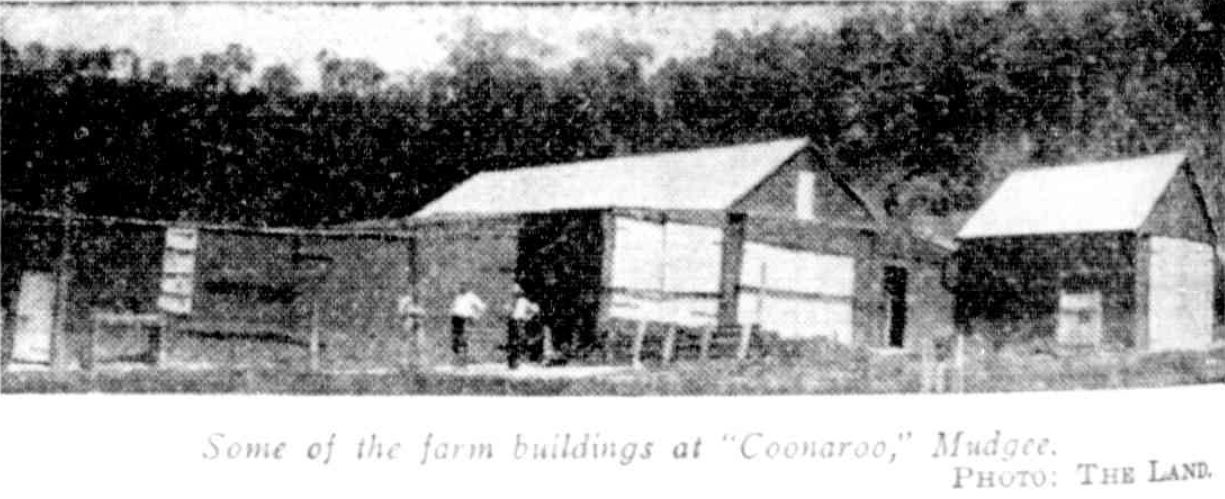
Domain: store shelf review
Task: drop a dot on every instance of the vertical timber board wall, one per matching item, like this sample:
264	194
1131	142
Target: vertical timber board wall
1178	227
665	271
482	252
244	282
929	304
776	196
833	255
356	299
560	266
798	294
1098	267
1180	294
116	268
1179	213
1011	287
843	226
29	244
1005	291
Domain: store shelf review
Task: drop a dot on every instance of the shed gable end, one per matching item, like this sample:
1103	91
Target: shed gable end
1179	212
777	196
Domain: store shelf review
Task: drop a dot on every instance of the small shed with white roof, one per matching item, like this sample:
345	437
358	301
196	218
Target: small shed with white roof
1114	254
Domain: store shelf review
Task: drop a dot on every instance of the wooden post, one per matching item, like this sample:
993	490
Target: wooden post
418	332
547	354
667	313
611	333
314	336
636	350
927	366
166	325
1141	291
669	348
731	262
959	364
746	337
156	331
704	344
419	343
59	328
87	361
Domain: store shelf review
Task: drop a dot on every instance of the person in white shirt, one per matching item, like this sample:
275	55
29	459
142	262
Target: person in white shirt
522	311
466	307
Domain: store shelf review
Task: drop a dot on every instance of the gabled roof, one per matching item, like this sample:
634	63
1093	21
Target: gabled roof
703	179
1088	197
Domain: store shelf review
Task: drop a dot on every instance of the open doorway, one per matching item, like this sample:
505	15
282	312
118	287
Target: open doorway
895	292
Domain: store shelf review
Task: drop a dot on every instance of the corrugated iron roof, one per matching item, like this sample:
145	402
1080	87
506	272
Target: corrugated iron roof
1088	197
703	179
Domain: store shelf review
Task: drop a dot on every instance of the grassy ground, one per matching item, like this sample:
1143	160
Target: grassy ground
817	368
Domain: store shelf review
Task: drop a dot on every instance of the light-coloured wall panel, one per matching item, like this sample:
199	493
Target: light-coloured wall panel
783	269
798	317
680	257
685	311
1180	294
693	254
637	252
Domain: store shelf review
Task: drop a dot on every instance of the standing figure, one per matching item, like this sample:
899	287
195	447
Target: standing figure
411	314
522	312
466	307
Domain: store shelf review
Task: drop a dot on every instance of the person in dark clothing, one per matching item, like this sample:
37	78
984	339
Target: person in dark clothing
522	312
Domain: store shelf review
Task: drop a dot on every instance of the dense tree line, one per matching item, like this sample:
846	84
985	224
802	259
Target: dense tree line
923	106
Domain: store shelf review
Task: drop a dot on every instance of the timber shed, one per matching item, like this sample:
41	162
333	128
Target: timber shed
757	236
1113	254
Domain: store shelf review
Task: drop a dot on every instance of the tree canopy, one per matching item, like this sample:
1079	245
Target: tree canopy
925	107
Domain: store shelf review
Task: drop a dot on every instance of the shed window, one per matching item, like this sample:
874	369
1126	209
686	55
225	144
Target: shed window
1080	318
805	197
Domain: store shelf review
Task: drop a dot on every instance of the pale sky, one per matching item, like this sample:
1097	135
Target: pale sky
400	38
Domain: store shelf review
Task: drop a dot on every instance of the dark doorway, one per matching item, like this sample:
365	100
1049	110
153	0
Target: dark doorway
559	268
895	290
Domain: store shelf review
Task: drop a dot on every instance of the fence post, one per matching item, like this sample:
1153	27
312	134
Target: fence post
314	336
959	364
419	342
59	324
746	337
927	368
87	361
704	345
669	348
639	338
863	361
156	334
547	354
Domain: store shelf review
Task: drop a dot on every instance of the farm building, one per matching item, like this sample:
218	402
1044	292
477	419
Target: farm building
712	241
757	237
264	286
1115	254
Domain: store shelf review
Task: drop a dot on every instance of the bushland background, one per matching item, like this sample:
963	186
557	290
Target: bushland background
925	106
